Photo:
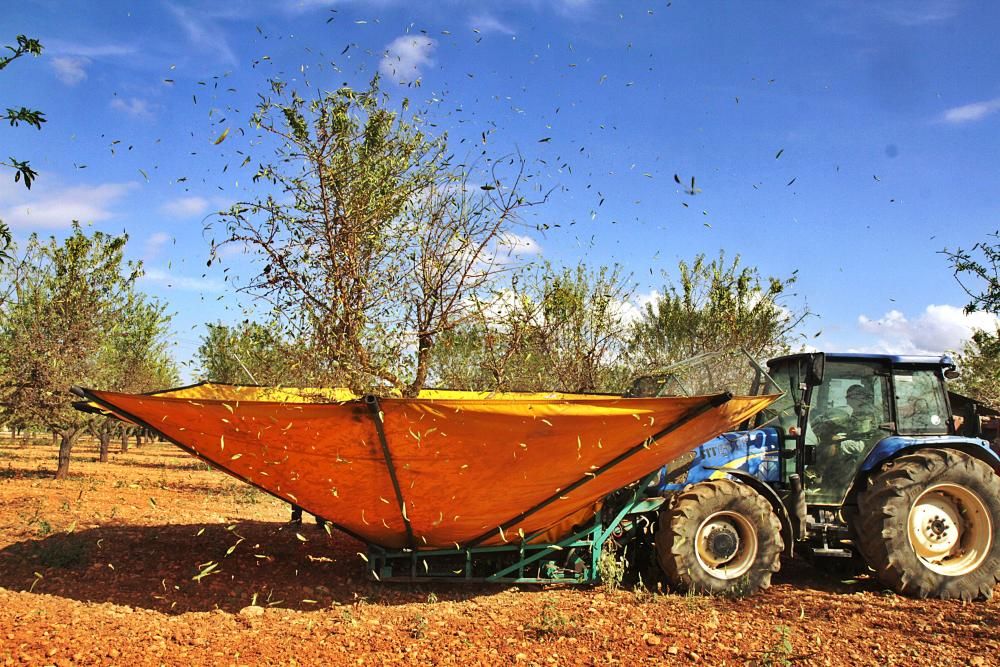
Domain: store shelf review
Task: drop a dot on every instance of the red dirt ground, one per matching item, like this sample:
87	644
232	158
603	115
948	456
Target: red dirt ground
102	569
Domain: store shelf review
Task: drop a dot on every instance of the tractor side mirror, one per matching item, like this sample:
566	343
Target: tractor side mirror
815	369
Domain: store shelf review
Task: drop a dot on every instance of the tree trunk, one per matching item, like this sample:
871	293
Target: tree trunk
105	437
138	440
124	440
68	439
424	344
55	437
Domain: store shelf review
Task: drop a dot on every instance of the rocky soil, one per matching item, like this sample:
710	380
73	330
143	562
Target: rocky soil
155	559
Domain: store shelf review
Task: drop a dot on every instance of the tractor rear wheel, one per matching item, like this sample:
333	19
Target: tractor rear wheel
930	525
719	537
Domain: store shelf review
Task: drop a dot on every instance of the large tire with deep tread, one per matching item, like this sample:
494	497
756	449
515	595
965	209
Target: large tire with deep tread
944	503
696	547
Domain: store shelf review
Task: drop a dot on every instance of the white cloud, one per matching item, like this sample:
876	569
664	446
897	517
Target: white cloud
61	48
185	207
911	13
201	34
488	23
938	329
405	55
171	279
133	106
519	244
45	208
70	69
154	243
971	112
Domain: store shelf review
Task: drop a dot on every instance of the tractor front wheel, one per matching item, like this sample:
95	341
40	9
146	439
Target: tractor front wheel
930	525
719	537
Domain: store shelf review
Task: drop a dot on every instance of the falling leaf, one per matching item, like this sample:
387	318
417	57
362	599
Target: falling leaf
779	153
222	137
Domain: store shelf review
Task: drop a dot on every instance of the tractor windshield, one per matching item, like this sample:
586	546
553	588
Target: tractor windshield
846	419
920	402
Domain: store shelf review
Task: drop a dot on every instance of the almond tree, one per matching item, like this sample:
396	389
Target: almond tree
247	353
715	306
370	241
550	330
69	297
133	357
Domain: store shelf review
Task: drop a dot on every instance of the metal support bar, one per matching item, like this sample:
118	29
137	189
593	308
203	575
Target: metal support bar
542	553
372	402
712	403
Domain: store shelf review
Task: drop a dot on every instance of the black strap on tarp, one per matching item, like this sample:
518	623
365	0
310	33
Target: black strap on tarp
373	405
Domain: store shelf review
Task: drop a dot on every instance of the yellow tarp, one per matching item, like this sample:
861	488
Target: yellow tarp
464	466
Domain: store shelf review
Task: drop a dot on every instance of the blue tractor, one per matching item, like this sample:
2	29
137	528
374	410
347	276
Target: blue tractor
858	464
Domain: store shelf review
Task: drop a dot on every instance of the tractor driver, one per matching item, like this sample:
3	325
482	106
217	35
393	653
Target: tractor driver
843	437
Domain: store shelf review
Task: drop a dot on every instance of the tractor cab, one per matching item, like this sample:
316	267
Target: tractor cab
840	410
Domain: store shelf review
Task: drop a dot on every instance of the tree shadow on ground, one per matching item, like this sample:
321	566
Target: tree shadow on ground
168	568
21	473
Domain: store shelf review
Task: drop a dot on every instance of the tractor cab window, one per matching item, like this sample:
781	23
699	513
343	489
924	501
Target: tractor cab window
781	413
920	403
845	416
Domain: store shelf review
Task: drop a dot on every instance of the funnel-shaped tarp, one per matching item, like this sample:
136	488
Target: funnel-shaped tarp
444	471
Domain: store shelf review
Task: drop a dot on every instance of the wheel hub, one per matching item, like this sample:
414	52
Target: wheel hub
723	542
726	545
950	529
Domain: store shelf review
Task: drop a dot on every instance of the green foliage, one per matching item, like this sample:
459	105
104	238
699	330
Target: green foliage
25	46
715	306
370	243
976	270
552	620
74	318
575	330
551	329
780	654
611	566
248	353
980	365
15	116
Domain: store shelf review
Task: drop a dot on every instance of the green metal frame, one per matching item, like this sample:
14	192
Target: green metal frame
408	565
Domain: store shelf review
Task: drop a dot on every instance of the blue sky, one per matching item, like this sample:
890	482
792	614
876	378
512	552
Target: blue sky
886	117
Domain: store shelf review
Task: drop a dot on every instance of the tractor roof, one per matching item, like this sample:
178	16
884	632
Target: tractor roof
894	359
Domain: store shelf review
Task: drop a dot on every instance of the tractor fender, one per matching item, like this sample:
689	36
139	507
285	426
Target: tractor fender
897	445
767	492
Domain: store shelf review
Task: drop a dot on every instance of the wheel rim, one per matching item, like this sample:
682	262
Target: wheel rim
726	545
950	529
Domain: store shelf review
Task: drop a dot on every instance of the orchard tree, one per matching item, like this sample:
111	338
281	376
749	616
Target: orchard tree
551	329
55	327
715	306
133	358
371	242
979	362
977	271
247	353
